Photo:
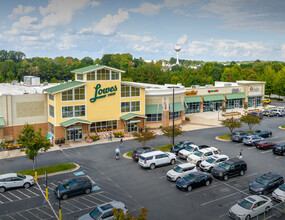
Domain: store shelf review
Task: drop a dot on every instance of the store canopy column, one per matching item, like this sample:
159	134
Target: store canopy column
2	125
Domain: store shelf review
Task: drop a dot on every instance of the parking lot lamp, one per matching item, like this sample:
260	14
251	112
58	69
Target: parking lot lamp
173	87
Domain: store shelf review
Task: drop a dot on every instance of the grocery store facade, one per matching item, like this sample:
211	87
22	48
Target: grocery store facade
98	102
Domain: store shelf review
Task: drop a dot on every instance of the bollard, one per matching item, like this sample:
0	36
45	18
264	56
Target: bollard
36	176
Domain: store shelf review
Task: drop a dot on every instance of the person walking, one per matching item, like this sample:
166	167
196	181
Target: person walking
239	156
121	143
117	153
110	137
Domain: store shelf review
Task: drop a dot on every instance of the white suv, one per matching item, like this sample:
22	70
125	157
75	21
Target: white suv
156	158
14	180
191	149
181	171
278	112
202	155
213	161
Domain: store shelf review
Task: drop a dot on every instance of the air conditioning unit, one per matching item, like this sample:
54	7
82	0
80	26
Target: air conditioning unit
227	85
195	86
209	86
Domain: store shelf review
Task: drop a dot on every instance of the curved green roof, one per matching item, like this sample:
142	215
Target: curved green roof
64	86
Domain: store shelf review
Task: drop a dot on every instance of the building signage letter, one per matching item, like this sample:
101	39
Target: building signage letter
103	92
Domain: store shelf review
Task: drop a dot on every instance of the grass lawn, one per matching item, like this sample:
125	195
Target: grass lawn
283	126
225	137
50	169
129	154
164	148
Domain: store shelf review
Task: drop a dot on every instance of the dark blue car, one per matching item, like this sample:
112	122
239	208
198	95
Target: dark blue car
194	180
179	146
263	133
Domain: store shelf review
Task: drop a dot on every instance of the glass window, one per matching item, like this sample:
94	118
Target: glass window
91	76
192	107
233	103
212	105
115	76
109	125
67	95
51	111
254	101
154	117
51	128
135	91
51	97
174	115
135	106
67	111
79	93
79	76
125	91
125	106
79	111
103	74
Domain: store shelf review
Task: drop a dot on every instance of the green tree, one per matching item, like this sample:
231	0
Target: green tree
279	83
268	76
33	141
144	136
168	132
250	120
231	124
120	215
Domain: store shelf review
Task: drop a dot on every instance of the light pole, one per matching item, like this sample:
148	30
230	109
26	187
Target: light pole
173	87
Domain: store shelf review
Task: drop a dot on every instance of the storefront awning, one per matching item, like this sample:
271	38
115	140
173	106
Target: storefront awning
130	116
134	121
178	106
216	97
2	122
74	121
235	96
153	109
189	99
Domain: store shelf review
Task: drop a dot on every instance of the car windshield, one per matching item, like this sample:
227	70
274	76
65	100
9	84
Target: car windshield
224	165
190	177
178	169
211	160
178	145
261	180
21	176
282	187
199	153
245	204
190	148
95	214
66	184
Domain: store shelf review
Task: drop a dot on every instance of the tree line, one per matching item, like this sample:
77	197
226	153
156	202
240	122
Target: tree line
14	65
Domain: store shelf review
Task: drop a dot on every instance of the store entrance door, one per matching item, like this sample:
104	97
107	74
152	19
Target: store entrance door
74	133
132	127
236	104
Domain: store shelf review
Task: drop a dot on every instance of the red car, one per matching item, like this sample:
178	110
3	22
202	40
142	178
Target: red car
264	145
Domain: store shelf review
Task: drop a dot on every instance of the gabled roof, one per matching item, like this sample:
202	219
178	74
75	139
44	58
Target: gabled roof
74	121
64	86
94	67
130	116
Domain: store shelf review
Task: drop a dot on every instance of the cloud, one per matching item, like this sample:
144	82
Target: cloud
147	8
60	12
178	3
67	42
25	25
107	25
47	35
283	50
94	4
21	10
182	40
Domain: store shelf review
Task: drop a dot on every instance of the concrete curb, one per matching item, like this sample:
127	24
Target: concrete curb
281	128
219	139
61	172
127	157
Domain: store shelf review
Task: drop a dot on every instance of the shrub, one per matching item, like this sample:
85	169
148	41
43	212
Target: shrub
119	134
187	119
95	137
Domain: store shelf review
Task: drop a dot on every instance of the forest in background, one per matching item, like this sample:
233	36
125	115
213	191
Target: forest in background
14	65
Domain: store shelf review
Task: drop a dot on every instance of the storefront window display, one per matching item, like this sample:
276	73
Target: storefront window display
233	103
212	105
192	107
254	101
174	115
154	117
73	111
101	125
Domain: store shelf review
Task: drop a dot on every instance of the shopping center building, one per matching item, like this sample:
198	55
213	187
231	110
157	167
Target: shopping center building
98	101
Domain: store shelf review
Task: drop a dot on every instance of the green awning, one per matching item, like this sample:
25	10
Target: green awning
189	99
130	116
2	122
235	96
216	97
178	106
74	121
133	121
153	109
64	87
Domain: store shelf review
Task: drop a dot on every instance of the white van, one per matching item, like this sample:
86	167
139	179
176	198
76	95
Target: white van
156	158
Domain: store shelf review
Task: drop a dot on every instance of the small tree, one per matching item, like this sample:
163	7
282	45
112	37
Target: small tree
120	215
33	142
231	123
168	132
144	136
250	120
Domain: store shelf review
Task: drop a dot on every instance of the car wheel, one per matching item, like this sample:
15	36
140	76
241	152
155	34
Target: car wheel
189	188
152	166
172	162
267	209
64	196
2	189
241	173
198	163
264	192
247	217
178	178
207	183
226	177
87	191
27	185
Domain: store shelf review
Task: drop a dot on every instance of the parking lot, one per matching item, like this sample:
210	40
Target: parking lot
126	181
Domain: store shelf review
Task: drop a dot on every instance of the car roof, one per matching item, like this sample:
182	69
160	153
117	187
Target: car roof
185	165
113	204
8	175
152	153
199	173
204	150
256	198
220	156
185	142
270	175
233	160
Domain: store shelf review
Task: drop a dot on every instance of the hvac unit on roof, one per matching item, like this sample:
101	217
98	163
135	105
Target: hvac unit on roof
32	81
209	86
195	86
227	85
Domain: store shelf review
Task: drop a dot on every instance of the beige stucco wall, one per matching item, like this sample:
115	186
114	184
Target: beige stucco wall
221	90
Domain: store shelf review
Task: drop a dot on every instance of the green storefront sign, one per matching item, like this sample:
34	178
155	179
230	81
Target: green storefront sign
102	93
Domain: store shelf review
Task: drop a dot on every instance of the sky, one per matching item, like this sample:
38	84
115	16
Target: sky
207	30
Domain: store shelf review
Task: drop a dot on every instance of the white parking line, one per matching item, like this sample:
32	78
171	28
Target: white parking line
6	197
267	151
277	157
179	161
206	203
105	197
250	148
161	177
44	212
89	201
32	192
92	181
1	202
22	215
70	204
173	185
33	214
53	184
242	191
23	193
14	195
82	203
11	217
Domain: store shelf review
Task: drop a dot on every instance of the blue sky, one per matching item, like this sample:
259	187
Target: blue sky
208	30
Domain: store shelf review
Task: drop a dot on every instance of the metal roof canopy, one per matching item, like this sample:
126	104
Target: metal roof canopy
95	67
152	109
178	106
235	96
64	87
216	97
131	115
74	121
192	99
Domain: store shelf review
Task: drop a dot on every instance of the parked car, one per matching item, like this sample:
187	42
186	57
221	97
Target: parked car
180	146
266	183
264	145
180	171
239	135
279	194
278	112
191	149
250	207
267	101
250	140
194	180
257	114
279	149
268	113
73	187
141	150
213	161
15	180
263	133
104	211
202	155
156	158
229	168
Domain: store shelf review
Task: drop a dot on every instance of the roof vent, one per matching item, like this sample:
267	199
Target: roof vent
45	83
